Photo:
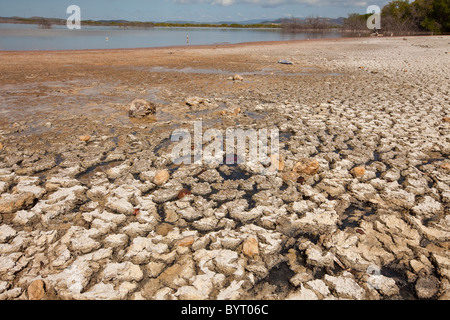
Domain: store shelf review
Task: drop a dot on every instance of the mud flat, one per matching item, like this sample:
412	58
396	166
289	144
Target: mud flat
92	206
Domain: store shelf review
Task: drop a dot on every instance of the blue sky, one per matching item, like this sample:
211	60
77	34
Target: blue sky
188	10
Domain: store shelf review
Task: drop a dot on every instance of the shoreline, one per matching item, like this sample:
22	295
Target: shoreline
217	46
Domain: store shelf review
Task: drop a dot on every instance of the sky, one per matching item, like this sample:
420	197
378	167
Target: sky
186	10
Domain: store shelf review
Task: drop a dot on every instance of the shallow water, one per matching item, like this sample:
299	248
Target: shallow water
30	37
265	72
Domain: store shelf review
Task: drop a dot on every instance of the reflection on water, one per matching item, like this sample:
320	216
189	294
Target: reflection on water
30	37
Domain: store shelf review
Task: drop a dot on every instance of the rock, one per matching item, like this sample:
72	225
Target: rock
232	292
306	166
25	218
36	290
427	287
10	203
186	242
6	233
238	77
179	273
141	250
319	287
183	193
85	138
83	244
315	257
116	172
446	166
200	103
102	291
446	119
136	229
125	271
344	287
140	108
1	146
387	286
194	101
223	261
250	247
161	177
116	240
358	172
11	294
72	280
120	205
427	207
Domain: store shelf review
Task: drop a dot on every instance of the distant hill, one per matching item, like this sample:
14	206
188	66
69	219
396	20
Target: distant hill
259	22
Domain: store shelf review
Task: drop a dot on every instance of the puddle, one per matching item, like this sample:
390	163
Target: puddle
307	71
40	100
256	115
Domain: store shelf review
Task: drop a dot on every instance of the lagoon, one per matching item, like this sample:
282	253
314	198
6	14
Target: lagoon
27	37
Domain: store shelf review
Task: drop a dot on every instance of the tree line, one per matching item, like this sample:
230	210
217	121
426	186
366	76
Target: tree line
402	16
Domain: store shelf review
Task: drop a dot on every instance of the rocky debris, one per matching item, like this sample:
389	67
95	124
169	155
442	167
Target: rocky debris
236	77
197	103
140	108
353	205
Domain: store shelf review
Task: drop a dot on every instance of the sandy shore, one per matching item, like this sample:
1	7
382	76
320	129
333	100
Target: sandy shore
358	210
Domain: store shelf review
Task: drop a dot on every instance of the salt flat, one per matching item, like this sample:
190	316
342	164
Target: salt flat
93	207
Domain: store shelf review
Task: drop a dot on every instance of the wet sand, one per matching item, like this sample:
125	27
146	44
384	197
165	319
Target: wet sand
370	116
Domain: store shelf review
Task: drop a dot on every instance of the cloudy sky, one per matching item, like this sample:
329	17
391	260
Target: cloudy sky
187	10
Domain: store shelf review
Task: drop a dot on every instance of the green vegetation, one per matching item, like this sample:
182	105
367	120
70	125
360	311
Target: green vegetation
402	16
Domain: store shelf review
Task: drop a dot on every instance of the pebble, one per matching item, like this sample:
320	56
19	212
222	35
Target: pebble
358	172
161	177
36	290
85	138
250	247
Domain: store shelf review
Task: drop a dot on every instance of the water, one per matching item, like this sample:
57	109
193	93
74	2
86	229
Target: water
29	37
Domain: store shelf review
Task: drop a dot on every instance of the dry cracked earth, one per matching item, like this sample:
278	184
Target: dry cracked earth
93	207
